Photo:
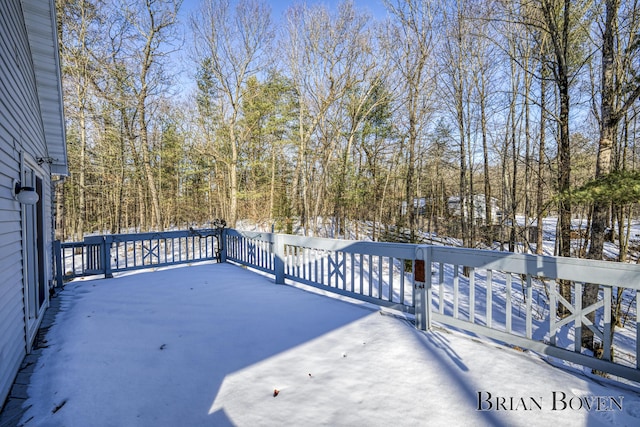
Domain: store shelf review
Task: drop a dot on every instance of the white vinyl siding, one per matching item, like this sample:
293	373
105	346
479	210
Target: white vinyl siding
21	133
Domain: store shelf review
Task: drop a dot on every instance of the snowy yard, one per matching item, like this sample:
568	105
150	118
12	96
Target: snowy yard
216	344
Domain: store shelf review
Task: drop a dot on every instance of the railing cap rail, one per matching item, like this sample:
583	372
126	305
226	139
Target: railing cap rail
562	268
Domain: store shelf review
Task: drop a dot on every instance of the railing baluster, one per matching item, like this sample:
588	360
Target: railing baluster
577	334
294	259
606	341
322	260
206	247
553	302
315	265
285	255
390	287
380	276
317	260
116	257
260	254
529	305
637	301
509	311
361	274
489	298
304	263
340	282
305	271
440	287
353	271
370	275
472	295
343	270
332	272
402	261
456	285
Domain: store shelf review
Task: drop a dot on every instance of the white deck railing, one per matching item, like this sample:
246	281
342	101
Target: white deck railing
112	253
513	298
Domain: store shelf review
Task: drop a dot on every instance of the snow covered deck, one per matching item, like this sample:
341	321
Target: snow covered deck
216	344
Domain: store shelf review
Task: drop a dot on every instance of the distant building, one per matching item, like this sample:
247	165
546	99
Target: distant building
419	206
456	207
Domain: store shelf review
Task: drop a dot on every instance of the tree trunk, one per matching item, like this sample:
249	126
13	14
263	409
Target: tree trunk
156	221
409	190
233	174
485	151
608	131
514	157
82	172
540	211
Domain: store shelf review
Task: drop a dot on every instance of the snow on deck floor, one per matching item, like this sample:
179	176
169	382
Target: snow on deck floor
209	345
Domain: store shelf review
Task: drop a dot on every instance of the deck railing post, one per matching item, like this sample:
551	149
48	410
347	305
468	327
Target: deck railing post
223	246
106	246
57	253
278	258
422	287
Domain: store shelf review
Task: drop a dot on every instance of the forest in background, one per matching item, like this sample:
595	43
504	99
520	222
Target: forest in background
336	114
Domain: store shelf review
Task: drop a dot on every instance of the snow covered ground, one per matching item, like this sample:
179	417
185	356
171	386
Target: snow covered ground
218	345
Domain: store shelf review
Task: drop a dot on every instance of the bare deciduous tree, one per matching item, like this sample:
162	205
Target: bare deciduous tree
412	41
233	45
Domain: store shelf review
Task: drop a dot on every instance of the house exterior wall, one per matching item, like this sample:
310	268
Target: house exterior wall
22	141
455	207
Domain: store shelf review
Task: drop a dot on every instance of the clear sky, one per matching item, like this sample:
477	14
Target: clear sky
182	64
278	7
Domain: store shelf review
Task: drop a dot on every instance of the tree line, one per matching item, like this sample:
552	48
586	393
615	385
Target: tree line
337	116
